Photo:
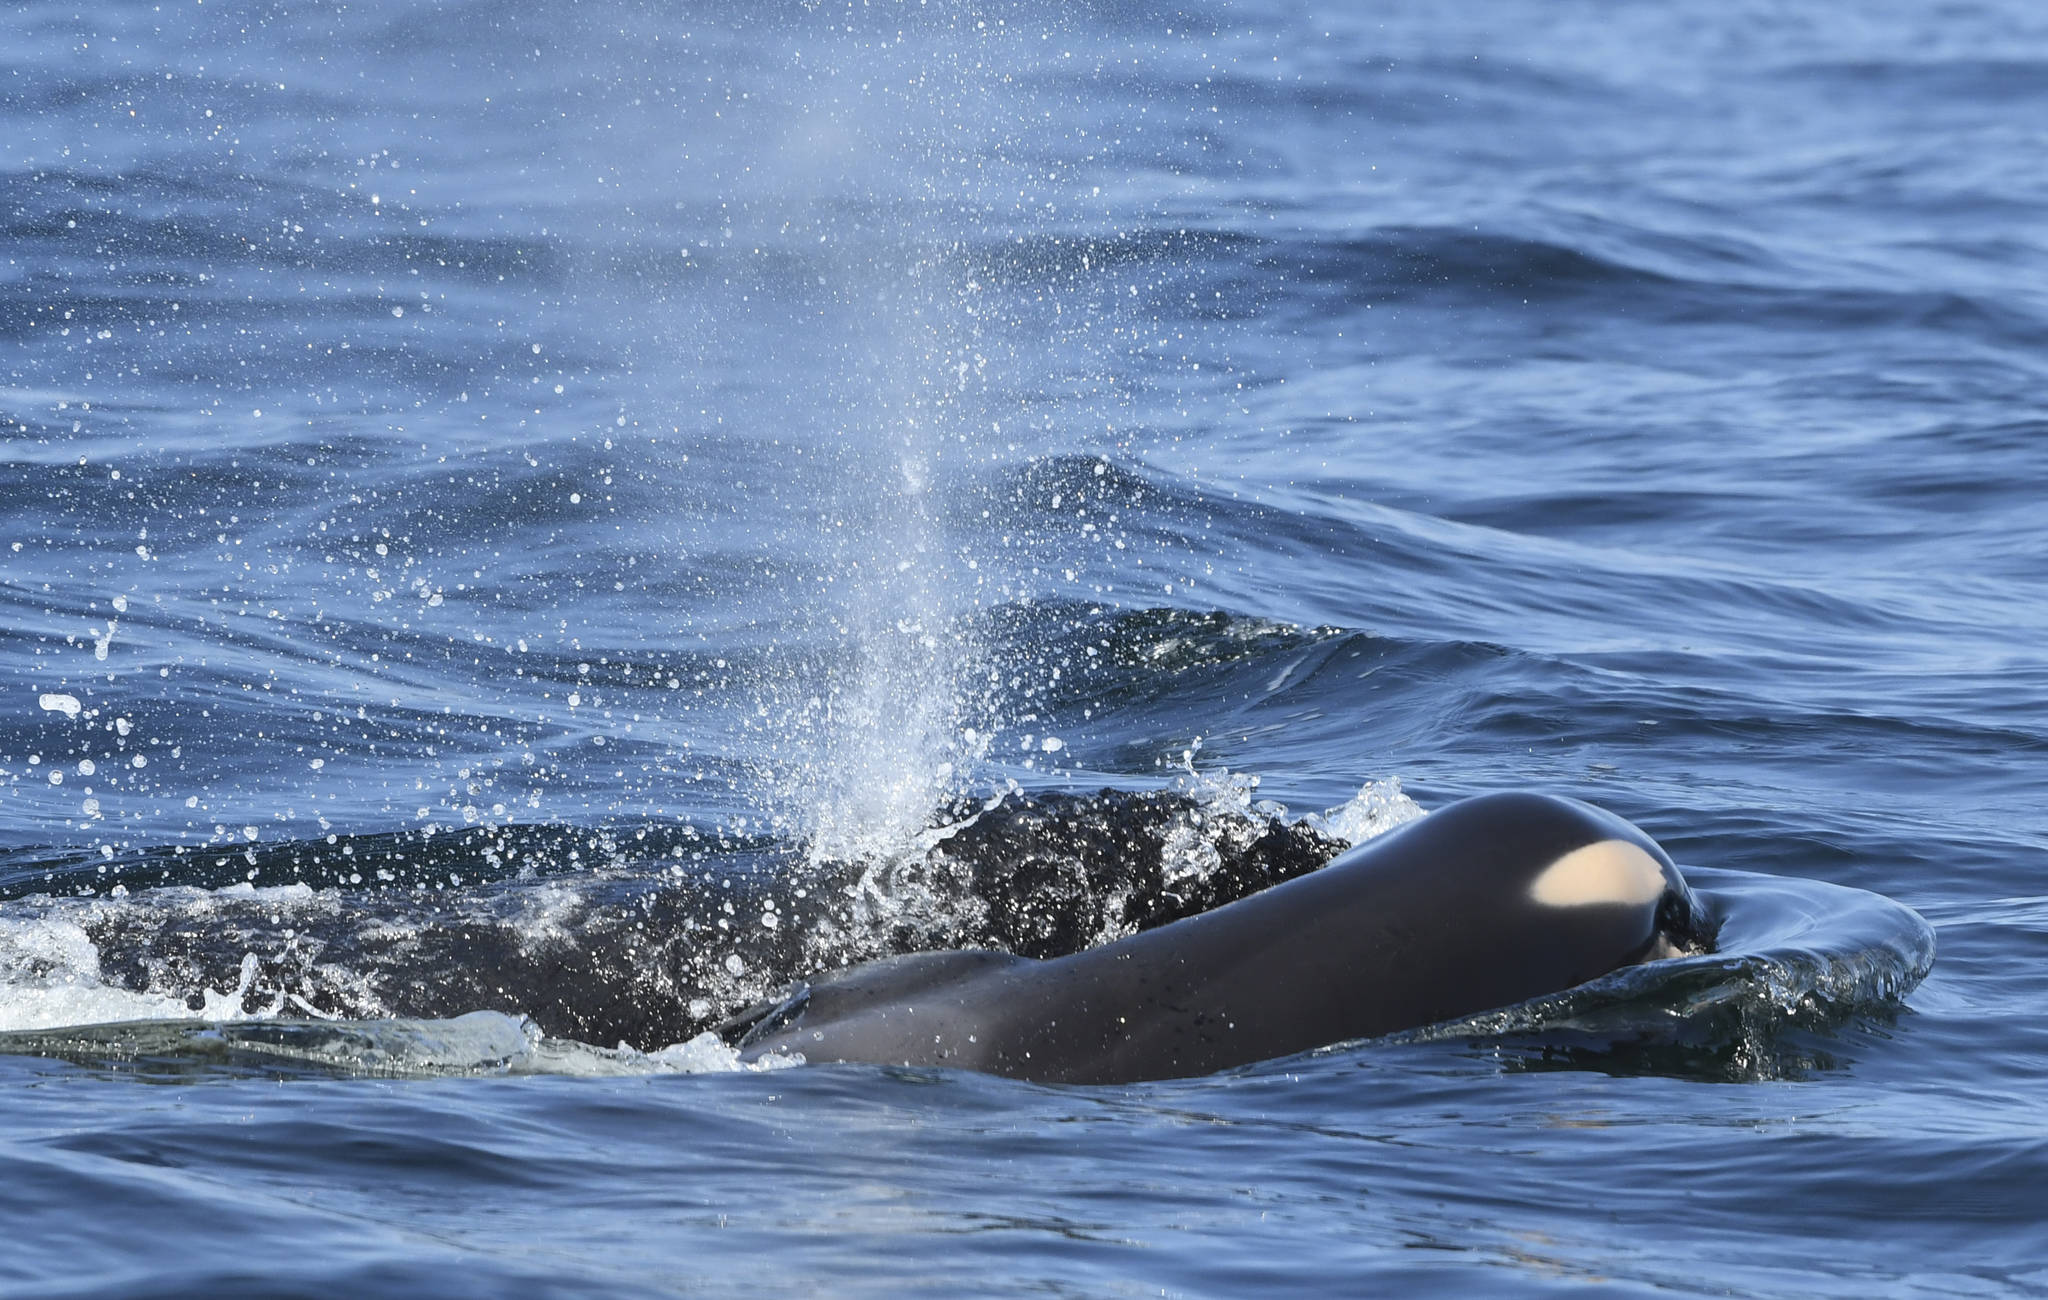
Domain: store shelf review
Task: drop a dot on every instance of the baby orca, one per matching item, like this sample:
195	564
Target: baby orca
1485	903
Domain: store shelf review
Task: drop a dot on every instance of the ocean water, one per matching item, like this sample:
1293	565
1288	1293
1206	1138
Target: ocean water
524	527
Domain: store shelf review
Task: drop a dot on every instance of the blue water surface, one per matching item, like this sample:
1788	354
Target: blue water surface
768	423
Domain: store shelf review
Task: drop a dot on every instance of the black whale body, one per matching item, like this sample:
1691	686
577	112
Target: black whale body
626	935
1483	904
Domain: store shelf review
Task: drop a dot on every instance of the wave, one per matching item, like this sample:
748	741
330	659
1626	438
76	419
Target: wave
1630	273
479	1043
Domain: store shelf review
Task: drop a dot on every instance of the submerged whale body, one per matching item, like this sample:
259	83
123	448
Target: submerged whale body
1483	904
642	935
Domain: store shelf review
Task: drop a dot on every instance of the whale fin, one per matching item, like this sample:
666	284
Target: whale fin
748	1026
886	980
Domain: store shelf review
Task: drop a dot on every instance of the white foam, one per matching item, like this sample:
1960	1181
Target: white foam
486	1043
50	974
707	1053
50	978
64	1006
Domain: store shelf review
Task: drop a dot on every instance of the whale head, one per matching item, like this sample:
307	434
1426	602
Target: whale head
1618	866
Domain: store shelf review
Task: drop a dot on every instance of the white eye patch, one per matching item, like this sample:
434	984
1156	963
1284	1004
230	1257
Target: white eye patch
1611	871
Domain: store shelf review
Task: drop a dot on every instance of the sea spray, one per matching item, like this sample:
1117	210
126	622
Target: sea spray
901	348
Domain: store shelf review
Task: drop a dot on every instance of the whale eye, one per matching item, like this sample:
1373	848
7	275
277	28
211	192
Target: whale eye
1611	871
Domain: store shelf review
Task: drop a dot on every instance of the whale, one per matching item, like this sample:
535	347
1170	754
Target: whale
1482	904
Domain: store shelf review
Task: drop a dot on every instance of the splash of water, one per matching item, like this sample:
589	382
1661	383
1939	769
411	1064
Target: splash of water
1227	803
1378	807
907	712
895	740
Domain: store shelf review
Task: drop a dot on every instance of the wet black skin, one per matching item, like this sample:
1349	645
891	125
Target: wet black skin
1426	923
